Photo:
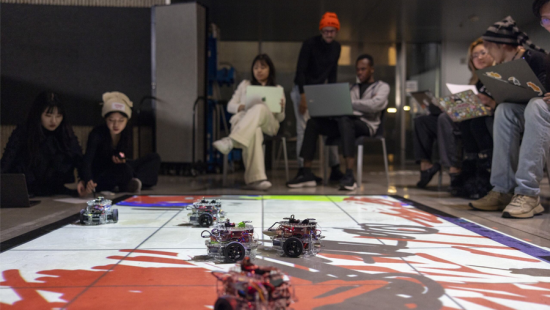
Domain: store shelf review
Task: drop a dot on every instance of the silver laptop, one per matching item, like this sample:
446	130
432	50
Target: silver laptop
13	192
328	100
512	81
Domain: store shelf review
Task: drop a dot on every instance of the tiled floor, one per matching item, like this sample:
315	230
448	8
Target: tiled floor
377	248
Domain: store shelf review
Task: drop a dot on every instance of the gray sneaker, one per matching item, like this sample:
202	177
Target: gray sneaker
494	201
134	186
523	207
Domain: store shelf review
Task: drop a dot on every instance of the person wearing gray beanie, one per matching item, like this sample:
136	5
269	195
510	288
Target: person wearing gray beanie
518	169
108	163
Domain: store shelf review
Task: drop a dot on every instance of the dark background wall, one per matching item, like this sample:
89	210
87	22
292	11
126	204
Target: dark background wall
80	52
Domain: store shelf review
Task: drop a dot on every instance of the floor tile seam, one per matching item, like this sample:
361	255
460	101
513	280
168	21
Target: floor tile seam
91	250
116	264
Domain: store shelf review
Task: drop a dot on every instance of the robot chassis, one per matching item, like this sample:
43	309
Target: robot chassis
98	211
229	242
293	237
205	212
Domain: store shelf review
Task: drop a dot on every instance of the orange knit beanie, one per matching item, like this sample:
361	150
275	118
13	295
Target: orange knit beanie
329	20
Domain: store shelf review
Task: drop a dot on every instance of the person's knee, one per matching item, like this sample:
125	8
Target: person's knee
535	108
505	112
259	108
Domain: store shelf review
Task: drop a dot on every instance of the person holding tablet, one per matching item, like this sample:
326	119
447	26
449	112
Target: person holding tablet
517	170
252	118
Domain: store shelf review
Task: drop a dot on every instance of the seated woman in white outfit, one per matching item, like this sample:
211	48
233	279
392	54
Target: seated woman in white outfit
251	120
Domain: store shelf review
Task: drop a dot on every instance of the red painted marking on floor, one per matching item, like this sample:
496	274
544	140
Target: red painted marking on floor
151	259
437	242
484	253
410	306
460	235
372	268
151	252
342	256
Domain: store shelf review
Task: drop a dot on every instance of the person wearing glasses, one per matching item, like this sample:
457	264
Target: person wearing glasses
317	64
476	136
517	170
541	8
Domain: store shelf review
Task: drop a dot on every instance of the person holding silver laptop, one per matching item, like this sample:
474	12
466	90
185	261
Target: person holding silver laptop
518	169
258	106
368	99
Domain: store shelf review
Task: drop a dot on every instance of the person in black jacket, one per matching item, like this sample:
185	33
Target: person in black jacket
45	148
107	166
317	64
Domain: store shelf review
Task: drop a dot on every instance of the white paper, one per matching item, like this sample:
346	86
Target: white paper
74	201
457	88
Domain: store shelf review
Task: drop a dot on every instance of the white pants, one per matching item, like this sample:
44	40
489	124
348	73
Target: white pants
301	122
247	132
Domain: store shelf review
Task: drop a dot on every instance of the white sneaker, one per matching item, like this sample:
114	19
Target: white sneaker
523	206
224	145
259	185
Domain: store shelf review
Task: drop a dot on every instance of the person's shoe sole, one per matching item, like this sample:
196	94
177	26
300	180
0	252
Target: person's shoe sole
261	187
303	184
479	209
539	210
349	188
220	146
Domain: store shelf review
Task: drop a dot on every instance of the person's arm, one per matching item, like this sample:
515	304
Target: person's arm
91	150
281	116
375	104
333	74
12	150
301	68
237	99
537	64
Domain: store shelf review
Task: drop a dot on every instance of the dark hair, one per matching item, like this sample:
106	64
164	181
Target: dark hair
46	101
537	6
367	57
271	77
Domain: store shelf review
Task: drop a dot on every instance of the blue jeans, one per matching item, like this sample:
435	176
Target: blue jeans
520	168
301	121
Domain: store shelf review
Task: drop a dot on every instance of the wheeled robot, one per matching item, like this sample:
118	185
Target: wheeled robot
293	237
205	212
252	287
98	211
229	242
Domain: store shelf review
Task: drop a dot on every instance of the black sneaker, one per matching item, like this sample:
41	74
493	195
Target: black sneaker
318	180
335	174
347	182
427	175
304	178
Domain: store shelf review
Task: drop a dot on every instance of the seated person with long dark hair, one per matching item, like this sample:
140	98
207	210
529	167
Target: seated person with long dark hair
368	98
45	148
250	121
107	164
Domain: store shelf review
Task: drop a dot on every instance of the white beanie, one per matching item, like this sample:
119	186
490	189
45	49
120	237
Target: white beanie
116	102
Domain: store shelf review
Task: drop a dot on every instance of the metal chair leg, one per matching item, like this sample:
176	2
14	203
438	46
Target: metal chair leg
385	160
283	142
225	164
359	166
440	180
324	163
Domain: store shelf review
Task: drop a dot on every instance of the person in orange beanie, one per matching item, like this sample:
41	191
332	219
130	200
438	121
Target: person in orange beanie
317	64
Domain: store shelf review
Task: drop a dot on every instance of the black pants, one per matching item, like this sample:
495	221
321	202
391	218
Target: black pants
348	128
475	135
428	129
146	169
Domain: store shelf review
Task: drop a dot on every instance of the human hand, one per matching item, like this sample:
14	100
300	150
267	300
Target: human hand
241	108
546	98
85	189
282	103
487	101
117	160
302	108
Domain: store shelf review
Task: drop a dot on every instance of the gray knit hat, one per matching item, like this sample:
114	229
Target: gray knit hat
507	32
116	102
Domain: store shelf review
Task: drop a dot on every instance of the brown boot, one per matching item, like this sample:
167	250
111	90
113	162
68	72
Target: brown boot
494	201
523	207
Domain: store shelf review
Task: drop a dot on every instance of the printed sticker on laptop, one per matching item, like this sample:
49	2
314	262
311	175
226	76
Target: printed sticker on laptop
535	88
493	75
514	80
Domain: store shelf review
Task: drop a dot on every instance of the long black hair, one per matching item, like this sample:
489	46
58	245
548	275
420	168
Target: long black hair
271	77
48	102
